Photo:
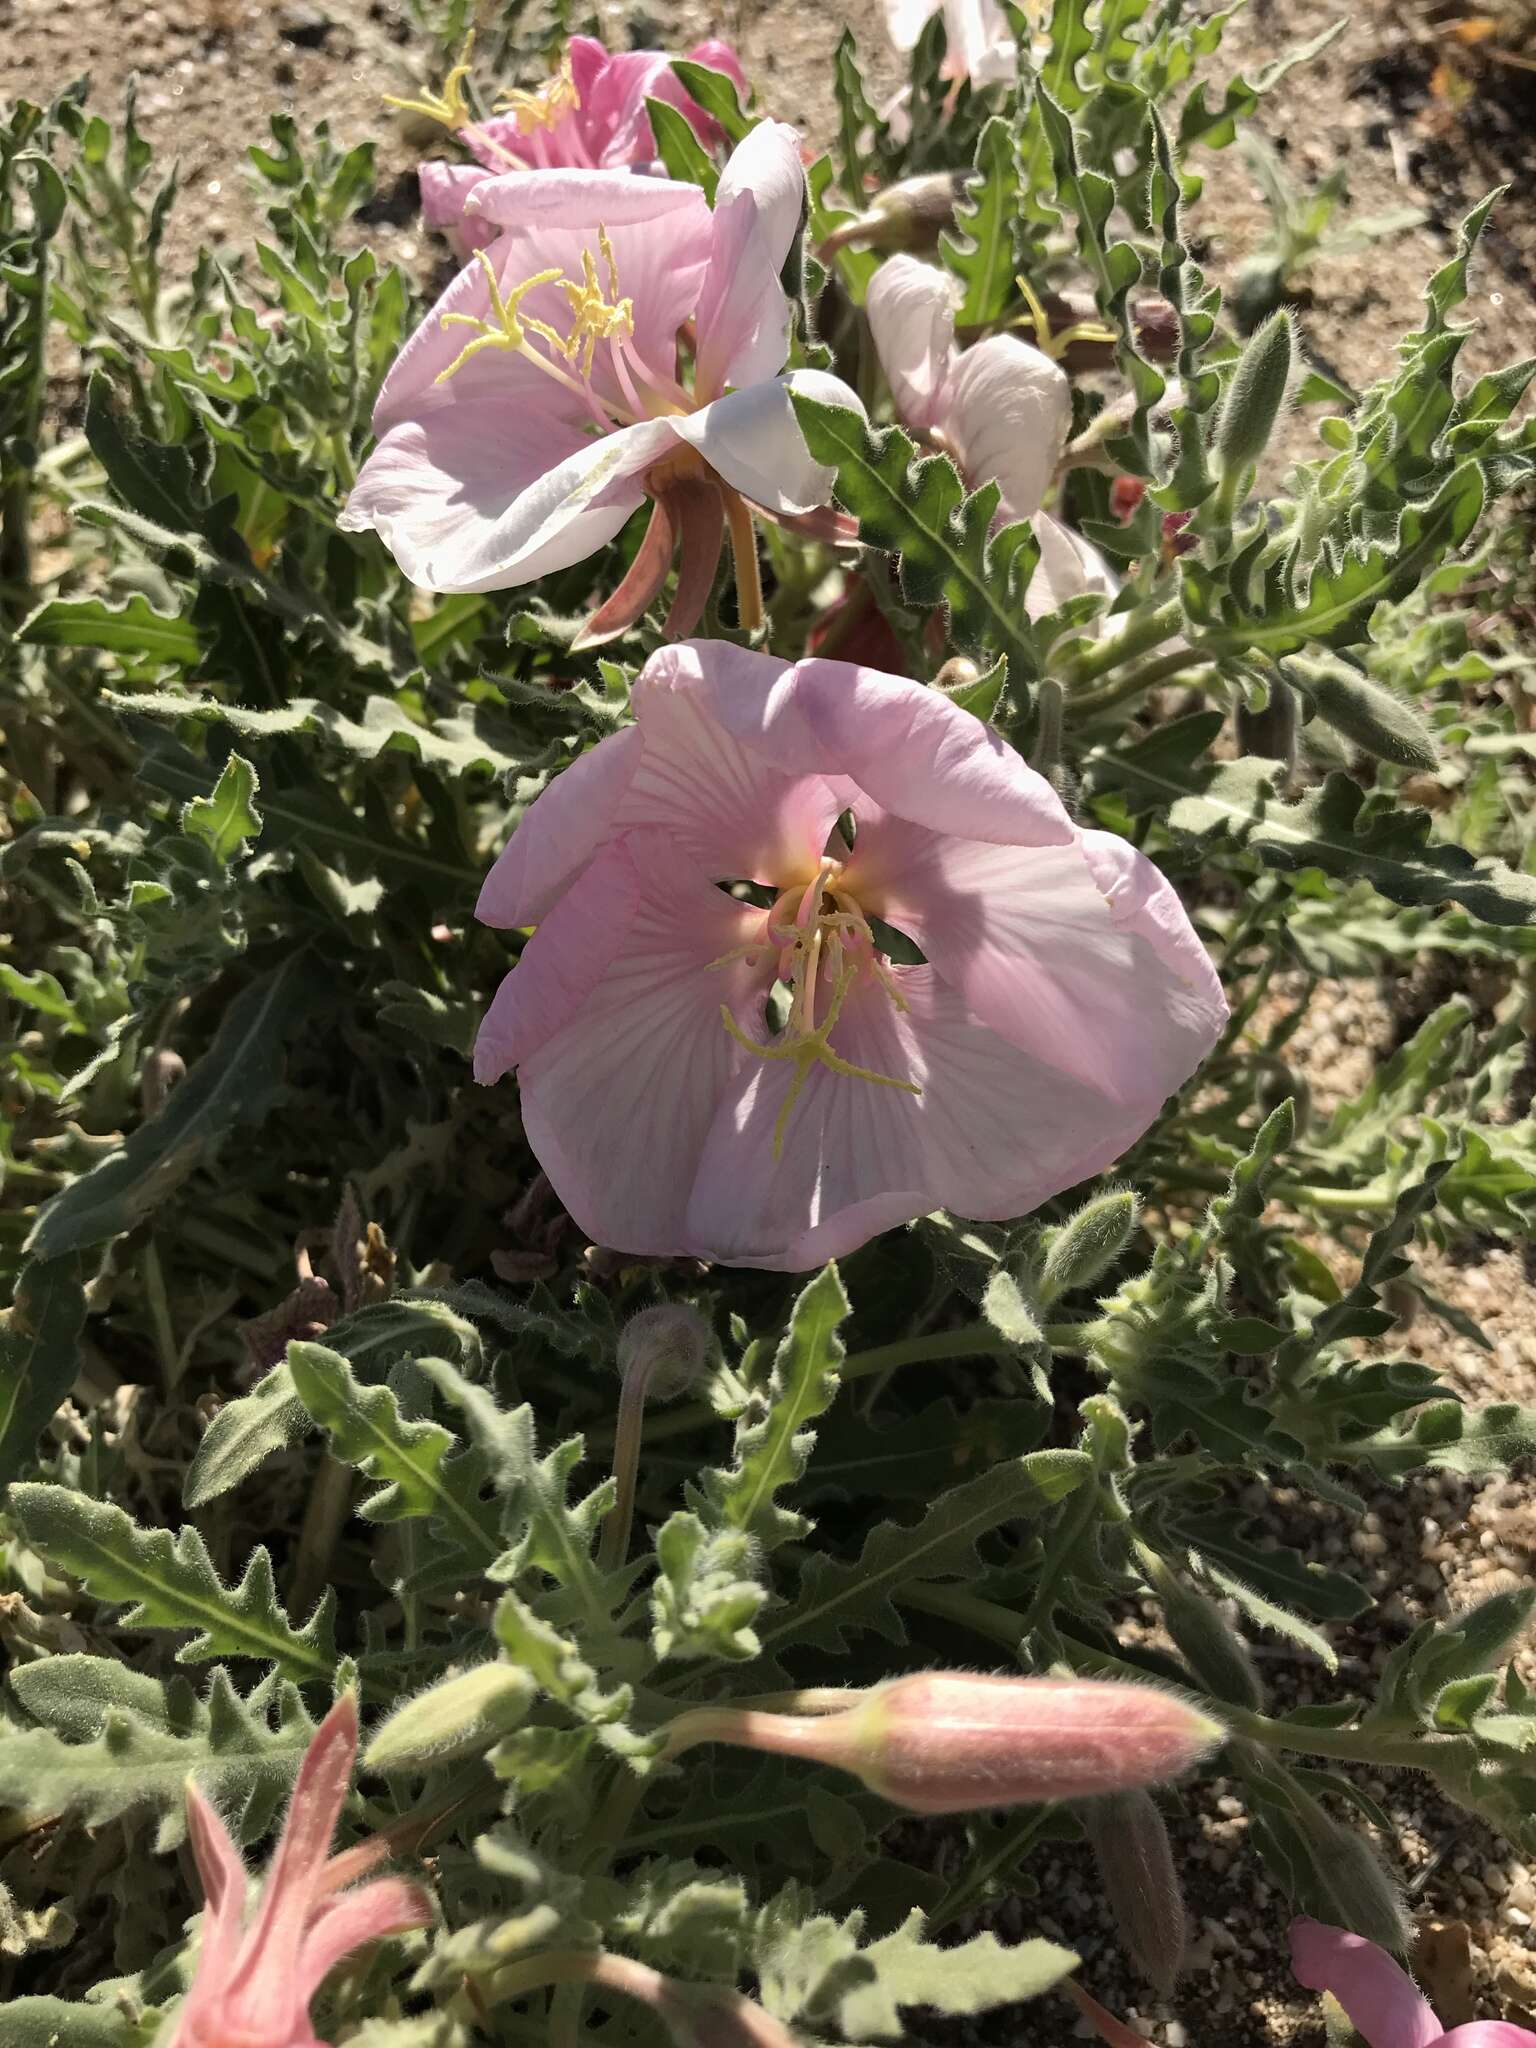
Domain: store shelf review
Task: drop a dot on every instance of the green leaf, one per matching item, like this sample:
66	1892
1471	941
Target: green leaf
917	1456
680	149
134	630
837	1597
39	1354
917	508
45	2022
228	818
972	1976
1215	127
115	1741
239	1080
705	1598
1337	827
772	1441
412	1460
715	91
170	1582
557	1666
982	251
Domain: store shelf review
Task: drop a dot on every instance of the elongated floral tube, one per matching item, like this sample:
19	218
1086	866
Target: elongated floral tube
948	1742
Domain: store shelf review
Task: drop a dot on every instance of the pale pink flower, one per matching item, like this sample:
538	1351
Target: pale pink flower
1002	410
256	1976
590	116
978	45
546	395
1385	2006
1063	994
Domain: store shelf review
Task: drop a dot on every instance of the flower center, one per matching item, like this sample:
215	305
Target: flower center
595	317
546	107
824	943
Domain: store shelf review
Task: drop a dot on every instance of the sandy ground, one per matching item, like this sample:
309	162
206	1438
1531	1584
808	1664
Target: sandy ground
210	71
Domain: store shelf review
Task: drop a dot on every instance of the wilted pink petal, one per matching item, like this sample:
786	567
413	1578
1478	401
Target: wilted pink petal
1002	410
1381	1999
254	1983
1063	998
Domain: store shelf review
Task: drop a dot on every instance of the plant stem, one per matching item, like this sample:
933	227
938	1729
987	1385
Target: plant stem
749	577
1088	703
1144	631
1046	753
1356	1745
613	1547
330	1503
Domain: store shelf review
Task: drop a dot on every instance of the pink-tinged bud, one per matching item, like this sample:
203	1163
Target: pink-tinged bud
945	1742
1135	1861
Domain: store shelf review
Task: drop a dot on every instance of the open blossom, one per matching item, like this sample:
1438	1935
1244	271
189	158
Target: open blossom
1002	410
978	45
256	1974
590	116
1384	2005
546	395
1061	993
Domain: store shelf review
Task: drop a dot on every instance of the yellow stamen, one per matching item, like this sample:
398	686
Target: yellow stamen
509	329
449	106
1055	343
548	105
595	318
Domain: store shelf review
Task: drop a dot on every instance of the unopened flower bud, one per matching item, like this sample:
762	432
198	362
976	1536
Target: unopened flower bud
911	214
1213	1651
946	1742
456	1718
1255	396
1135	1863
670	1346
1375	718
1271	733
1088	1244
162	1071
1346	1883
958	673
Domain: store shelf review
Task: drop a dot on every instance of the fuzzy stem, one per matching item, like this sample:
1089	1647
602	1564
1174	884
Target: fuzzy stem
1142	632
749	577
1046	754
330	1502
1146	677
614	1545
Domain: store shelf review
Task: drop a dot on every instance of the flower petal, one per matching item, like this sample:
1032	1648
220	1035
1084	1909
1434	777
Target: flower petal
912	749
444	190
993	1133
1080	955
743	312
475	497
1069	566
222	1870
911	309
617	1105
1487	2034
389	1905
560	966
559	832
1007	409
1379	1996
752	439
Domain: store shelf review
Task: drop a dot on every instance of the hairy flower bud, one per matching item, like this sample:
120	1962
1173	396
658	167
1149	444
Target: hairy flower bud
1271	733
911	214
1088	1244
1346	1880
456	1718
1213	1651
1255	397
669	1346
1376	719
947	1742
1135	1863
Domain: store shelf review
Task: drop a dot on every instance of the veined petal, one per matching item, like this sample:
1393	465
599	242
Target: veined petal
993	1133
390	1905
444	190
223	1874
736	814
1006	411
909	748
559	832
911	310
1381	1999
1488	2034
1080	955
560	966
1069	566
752	439
476	497
618	1103
743	313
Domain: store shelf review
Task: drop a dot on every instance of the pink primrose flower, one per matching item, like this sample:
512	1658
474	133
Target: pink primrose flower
256	1975
1002	410
978	45
546	395
1061	993
590	116
1384	2005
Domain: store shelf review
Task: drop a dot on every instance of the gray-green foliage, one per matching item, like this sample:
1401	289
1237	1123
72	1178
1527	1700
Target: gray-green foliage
307	1378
